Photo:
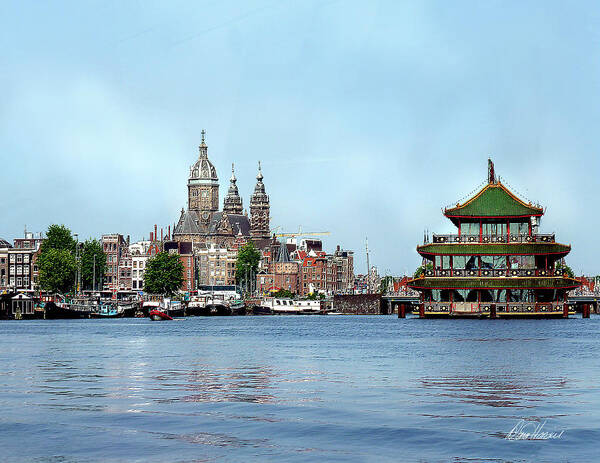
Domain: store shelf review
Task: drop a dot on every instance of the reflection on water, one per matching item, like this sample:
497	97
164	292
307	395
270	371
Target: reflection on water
246	384
296	389
495	391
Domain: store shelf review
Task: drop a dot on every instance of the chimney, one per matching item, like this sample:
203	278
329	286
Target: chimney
169	234
151	236
161	235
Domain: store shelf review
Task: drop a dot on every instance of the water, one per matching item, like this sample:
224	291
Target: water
351	389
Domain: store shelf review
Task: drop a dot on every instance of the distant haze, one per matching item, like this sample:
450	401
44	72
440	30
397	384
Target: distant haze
368	117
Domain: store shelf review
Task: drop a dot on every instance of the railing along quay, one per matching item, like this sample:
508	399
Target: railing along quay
538	238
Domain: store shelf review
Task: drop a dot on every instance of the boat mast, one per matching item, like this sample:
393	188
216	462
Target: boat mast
368	267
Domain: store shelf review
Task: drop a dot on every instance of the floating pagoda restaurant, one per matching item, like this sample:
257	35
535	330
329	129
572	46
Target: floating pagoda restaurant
497	265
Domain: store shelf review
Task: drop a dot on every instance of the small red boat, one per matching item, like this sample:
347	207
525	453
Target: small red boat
157	315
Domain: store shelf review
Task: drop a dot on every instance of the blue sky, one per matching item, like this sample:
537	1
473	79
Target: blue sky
368	117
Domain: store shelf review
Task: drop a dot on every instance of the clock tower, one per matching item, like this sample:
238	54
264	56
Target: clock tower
203	185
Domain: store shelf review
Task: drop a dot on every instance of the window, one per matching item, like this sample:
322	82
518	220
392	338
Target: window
519	228
26	259
12	258
469	228
19	258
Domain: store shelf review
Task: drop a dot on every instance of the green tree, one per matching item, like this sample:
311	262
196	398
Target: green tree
385	283
56	270
283	293
56	262
59	237
92	248
247	262
562	267
421	270
164	274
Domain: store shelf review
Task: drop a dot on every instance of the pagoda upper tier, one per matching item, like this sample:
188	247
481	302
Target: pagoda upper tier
494	201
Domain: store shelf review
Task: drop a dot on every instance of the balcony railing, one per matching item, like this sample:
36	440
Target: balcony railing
539	238
495	272
501	307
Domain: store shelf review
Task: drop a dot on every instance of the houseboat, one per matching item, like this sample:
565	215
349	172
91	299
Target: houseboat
286	306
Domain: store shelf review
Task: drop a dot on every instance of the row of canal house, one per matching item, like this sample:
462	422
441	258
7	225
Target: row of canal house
304	269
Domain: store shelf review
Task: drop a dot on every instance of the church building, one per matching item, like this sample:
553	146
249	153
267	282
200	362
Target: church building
204	224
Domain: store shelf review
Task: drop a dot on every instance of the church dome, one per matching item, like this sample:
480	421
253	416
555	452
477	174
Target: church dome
203	169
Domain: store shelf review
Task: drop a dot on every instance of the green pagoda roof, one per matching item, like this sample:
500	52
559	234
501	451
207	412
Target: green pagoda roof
493	201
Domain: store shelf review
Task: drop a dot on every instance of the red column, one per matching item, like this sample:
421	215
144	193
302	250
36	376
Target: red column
401	310
565	310
422	310
586	311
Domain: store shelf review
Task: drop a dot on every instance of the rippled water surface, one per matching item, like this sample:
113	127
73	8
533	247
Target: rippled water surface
316	388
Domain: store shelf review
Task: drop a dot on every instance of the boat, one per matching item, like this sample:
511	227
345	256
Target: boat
77	307
205	305
261	310
287	306
238	307
159	315
129	308
108	311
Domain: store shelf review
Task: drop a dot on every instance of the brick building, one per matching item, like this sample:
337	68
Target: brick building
115	246
216	265
22	271
139	253
4	247
185	250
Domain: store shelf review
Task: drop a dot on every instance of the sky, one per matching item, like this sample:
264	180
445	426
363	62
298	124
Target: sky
368	117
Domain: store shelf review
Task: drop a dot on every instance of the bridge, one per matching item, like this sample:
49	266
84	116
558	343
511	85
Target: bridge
391	303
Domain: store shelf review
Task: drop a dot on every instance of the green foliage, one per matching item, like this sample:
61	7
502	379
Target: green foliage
563	268
421	270
92	248
59	237
56	262
312	296
56	270
247	262
164	274
283	293
385	283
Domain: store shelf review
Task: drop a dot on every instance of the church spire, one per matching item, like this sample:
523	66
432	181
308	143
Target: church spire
203	148
259	208
233	203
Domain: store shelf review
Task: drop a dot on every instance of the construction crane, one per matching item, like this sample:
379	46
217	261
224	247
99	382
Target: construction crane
300	233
